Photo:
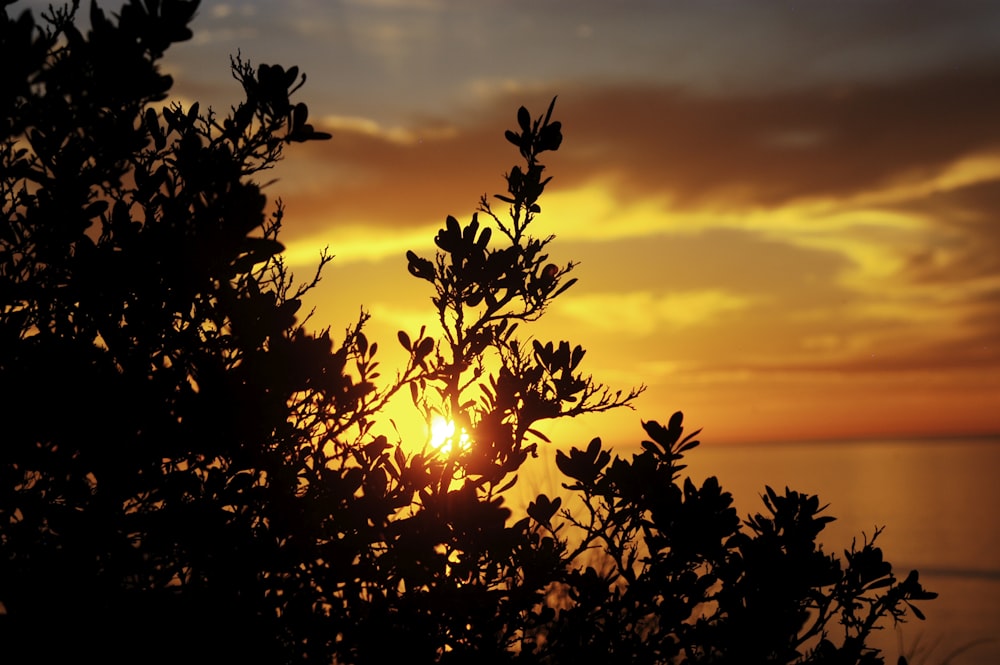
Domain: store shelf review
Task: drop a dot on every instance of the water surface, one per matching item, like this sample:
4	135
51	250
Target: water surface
938	501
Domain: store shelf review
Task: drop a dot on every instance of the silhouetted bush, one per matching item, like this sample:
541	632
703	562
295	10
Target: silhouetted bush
189	474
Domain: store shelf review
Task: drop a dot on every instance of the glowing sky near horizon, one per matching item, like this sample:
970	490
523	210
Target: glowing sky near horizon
785	212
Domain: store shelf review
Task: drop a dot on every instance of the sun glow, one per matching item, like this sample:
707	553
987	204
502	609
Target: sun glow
443	436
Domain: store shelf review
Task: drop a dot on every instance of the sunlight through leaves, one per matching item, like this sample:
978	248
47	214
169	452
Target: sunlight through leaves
443	436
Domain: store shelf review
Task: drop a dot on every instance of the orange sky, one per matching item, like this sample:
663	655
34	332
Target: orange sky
785	212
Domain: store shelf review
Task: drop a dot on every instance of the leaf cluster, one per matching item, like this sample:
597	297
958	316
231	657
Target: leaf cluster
665	571
168	419
495	385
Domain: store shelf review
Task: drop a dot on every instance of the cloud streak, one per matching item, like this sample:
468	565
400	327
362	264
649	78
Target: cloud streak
642	313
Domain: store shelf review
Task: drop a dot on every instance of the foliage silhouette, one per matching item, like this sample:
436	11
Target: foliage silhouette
189	473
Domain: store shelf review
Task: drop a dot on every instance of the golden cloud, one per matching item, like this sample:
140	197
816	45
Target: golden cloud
642	313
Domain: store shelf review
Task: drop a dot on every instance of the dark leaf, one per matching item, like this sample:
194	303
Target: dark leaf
524	120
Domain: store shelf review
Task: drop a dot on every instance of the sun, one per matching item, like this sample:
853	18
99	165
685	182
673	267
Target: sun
443	436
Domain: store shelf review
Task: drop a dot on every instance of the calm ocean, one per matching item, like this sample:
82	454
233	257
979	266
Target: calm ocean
939	501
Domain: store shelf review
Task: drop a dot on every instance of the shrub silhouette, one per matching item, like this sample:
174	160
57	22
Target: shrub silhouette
189	473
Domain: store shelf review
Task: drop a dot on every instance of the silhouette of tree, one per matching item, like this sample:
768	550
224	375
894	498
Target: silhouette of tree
189	474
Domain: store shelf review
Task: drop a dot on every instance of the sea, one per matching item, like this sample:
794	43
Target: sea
938	501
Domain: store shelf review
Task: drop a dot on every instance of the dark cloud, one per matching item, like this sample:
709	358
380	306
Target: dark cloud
970	246
385	59
975	352
718	152
766	150
367	177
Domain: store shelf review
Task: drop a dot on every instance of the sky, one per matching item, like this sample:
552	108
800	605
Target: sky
784	212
